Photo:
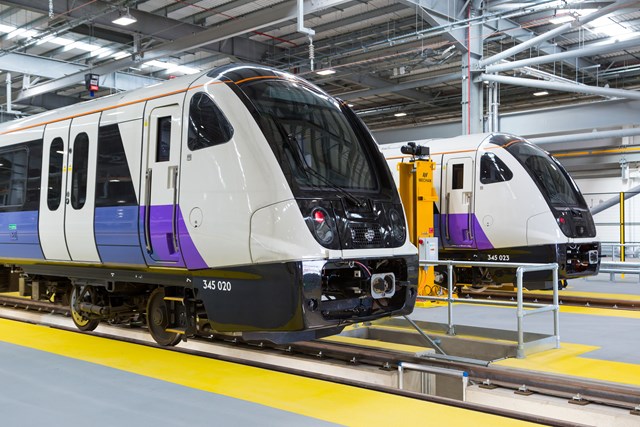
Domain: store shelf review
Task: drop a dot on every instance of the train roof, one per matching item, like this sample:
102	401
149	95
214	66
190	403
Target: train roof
471	142
101	103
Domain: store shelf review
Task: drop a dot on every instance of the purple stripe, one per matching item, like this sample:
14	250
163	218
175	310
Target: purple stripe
458	232
162	239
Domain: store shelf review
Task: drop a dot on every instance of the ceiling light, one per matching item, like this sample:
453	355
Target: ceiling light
326	72
400	114
350	105
541	93
125	19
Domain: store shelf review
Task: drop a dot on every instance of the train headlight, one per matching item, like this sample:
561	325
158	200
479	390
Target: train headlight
398	229
321	227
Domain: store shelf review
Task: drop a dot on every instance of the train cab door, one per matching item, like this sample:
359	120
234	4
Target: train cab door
81	188
52	195
457	216
160	214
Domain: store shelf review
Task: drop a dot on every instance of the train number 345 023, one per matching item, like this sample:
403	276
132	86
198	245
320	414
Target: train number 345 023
501	257
216	285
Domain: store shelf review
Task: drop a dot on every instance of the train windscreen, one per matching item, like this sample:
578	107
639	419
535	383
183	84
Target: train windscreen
554	182
311	133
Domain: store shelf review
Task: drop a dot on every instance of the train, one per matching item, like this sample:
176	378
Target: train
242	201
504	199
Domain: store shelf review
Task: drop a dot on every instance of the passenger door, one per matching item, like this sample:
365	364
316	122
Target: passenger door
458	220
52	196
81	189
160	211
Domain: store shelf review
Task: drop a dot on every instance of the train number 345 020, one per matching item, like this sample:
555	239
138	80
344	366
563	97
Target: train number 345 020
501	257
216	285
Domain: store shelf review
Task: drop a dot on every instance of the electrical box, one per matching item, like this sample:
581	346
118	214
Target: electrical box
428	248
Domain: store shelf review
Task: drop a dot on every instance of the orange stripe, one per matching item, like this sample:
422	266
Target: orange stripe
99	110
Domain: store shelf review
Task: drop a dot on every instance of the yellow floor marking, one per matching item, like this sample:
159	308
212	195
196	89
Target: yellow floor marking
318	399
373	343
572	360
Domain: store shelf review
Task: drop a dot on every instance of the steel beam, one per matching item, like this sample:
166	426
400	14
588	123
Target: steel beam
278	13
397	88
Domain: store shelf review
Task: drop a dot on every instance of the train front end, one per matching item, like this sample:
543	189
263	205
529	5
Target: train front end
570	226
341	241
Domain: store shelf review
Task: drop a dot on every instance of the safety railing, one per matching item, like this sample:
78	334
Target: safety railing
521	313
614	267
463	375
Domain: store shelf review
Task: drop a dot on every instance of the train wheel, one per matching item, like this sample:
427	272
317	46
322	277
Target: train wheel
81	294
158	319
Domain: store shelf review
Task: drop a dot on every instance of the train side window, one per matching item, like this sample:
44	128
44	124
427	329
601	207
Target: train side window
114	186
492	169
54	187
79	170
13	177
163	142
207	124
457	177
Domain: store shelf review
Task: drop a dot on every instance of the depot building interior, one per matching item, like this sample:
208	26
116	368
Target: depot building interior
485	85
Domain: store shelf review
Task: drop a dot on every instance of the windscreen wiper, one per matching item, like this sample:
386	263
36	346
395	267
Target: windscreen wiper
292	141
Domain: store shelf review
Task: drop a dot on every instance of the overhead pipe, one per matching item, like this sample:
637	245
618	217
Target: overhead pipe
564	87
587	136
555	32
615	200
544	59
9	109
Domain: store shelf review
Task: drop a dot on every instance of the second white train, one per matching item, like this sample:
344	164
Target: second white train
501	198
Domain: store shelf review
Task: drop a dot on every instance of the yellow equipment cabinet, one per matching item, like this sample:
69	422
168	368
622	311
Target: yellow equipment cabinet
418	196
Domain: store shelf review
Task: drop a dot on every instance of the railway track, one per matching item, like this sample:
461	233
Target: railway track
578	301
572	389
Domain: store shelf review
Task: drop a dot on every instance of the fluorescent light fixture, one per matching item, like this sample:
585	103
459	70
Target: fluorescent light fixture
350	105
6	28
400	114
125	19
570	15
326	72
541	93
120	55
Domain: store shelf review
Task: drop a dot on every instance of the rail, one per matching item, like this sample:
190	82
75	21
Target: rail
521	313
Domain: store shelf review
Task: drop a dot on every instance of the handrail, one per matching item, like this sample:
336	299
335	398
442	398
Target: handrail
147	211
519	304
174	220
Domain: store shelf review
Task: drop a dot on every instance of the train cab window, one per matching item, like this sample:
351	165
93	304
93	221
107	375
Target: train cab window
54	187
13	176
492	169
163	142
207	124
79	170
457	177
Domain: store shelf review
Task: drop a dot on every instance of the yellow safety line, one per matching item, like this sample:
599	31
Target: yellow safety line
309	397
572	360
599	295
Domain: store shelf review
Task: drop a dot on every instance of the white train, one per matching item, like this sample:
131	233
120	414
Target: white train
501	198
243	200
